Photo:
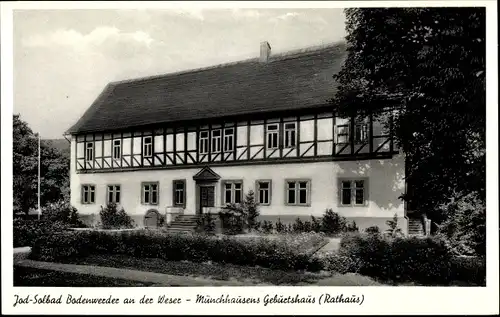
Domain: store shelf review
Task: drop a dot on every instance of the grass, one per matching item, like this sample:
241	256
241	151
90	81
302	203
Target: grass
218	271
36	277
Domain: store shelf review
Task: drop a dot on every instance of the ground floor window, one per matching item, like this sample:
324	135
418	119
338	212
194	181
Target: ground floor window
113	194
263	191
150	193
179	192
88	194
298	192
232	192
353	192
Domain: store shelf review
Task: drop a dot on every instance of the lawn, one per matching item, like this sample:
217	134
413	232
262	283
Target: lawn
36	277
218	271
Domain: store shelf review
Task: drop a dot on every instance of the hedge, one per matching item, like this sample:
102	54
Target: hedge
174	247
424	260
27	231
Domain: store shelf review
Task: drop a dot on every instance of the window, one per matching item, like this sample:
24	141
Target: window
216	141
147	150
360	133
272	136
179	193
150	193
264	192
298	192
113	194
117	149
343	134
88	194
289	136
228	140
203	142
353	192
89	151
233	192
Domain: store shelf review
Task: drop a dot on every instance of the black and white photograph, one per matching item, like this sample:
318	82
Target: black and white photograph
230	146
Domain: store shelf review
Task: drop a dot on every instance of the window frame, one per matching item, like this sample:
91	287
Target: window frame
285	131
114	191
297	182
257	191
146	145
226	137
345	134
364	133
275	133
91	148
117	146
205	140
143	193
91	189
233	191
353	188
174	192
214	139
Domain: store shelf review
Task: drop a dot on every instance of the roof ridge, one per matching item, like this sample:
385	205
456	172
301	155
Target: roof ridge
273	58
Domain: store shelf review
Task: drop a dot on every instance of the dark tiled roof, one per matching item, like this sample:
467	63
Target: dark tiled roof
290	81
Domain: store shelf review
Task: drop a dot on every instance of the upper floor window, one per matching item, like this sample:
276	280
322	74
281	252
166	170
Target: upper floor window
117	149
150	193
228	139
89	151
343	134
353	192
88	194
147	150
113	194
216	140
298	192
272	136
289	137
179	192
203	146
233	192
264	192
360	133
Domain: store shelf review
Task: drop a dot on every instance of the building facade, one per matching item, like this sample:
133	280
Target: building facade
192	142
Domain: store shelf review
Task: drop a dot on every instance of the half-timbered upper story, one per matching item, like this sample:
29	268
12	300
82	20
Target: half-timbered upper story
274	109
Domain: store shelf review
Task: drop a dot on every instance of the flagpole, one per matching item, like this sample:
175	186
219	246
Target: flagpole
39	209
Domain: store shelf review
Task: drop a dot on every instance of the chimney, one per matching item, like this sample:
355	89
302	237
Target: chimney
265	51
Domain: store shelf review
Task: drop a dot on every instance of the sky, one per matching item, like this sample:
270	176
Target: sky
63	59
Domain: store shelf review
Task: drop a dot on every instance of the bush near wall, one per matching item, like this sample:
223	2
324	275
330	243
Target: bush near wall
174	247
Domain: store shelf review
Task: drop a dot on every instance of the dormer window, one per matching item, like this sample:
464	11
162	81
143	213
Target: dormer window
147	150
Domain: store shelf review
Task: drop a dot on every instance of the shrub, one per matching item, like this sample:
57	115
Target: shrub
470	269
279	226
298	226
352	227
267	226
27	231
315	224
372	230
62	211
465	225
114	218
340	263
238	217
271	253
332	222
232	219
393	230
206	223
424	260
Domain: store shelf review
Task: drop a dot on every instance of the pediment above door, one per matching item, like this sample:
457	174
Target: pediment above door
206	174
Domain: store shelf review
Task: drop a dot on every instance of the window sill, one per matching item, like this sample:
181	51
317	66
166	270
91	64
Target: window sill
298	205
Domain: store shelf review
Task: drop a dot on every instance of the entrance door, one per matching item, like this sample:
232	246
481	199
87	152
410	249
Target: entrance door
207	197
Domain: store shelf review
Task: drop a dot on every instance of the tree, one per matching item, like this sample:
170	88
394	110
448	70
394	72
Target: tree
429	63
54	170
